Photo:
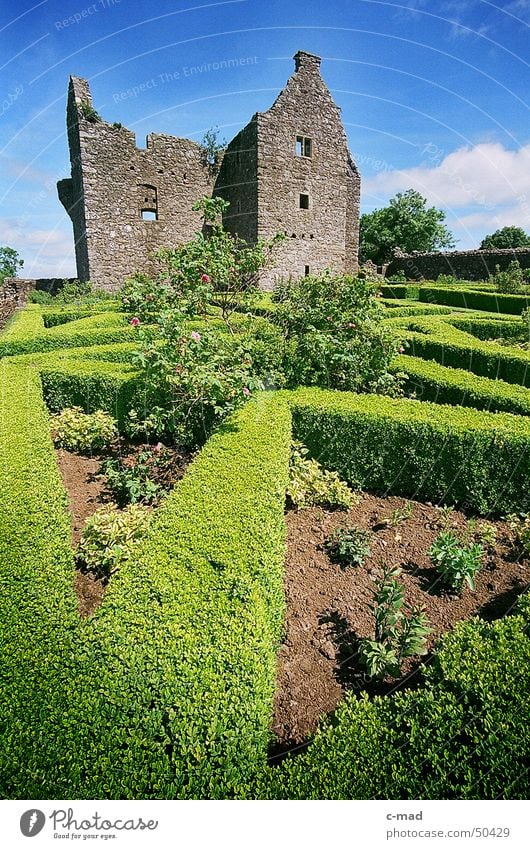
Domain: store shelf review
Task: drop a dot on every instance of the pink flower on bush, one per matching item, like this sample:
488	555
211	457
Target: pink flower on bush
328	318
246	391
196	336
158	448
351	324
402	350
205	278
135	321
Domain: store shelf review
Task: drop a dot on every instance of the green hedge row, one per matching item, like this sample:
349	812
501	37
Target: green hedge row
167	691
92	386
397	309
461	736
489	328
38	615
28	335
436	338
419	449
472	299
53	316
429	381
400	290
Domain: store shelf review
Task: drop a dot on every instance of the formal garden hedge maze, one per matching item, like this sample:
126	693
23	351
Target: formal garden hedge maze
166	690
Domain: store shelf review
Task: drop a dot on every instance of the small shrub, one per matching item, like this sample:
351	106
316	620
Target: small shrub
400	629
455	562
510	281
133	484
399	277
482	532
349	546
520	524
310	484
109	537
399	515
88	112
335	338
78	431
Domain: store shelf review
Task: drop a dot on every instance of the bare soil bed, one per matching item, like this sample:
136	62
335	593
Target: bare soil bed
87	492
328	604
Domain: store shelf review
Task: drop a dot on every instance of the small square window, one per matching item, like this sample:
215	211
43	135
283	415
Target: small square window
304	201
304	146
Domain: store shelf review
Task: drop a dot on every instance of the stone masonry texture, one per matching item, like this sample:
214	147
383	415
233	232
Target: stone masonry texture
289	170
465	265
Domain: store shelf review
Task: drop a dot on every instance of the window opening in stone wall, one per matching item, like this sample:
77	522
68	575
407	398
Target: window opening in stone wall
304	146
148	202
304	201
307	271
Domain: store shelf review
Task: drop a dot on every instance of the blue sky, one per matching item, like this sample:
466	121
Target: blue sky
434	96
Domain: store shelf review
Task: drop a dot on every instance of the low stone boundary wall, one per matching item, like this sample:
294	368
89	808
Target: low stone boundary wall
466	265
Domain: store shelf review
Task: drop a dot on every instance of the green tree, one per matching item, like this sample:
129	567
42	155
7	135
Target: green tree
9	263
506	237
406	223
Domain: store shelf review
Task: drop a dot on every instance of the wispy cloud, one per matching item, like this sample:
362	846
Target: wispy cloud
46	252
487	175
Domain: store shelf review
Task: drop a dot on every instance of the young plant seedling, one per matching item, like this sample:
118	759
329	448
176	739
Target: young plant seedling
400	628
349	546
456	563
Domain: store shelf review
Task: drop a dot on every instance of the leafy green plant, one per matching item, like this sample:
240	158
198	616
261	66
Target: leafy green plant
131	484
192	381
109	537
446	512
400	629
334	335
520	525
484	533
349	546
212	149
455	562
511	281
310	484
399	515
76	430
89	113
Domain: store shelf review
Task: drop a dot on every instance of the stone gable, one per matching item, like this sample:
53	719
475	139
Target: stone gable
289	170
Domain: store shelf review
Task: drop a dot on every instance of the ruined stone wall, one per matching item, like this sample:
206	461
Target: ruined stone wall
288	171
465	265
326	234
115	182
237	183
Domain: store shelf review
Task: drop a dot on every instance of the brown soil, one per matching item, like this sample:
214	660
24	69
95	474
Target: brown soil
327	604
87	492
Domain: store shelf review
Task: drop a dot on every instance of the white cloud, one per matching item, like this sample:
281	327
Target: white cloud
487	175
46	252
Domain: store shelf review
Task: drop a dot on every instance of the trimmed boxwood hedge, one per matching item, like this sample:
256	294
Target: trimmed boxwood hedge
435	338
473	299
28	335
429	381
167	690
418	449
461	736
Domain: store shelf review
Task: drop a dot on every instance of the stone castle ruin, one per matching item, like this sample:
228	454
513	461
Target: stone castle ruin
289	170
